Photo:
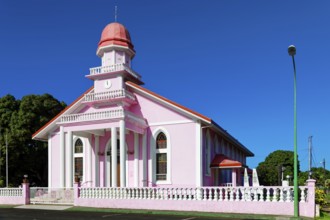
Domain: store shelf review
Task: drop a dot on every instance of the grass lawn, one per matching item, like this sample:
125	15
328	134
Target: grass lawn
178	213
324	215
7	206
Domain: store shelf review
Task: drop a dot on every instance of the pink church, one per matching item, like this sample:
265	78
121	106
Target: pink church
120	134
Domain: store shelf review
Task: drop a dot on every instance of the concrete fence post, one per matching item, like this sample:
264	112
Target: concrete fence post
311	195
26	193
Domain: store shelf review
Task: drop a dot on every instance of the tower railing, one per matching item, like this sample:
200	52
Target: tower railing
114	94
113	68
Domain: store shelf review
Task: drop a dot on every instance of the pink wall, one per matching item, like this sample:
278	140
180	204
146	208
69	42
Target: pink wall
155	113
262	208
181	130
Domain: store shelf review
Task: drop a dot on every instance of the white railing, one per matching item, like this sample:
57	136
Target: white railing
256	194
115	94
11	192
92	116
44	195
103	115
113	68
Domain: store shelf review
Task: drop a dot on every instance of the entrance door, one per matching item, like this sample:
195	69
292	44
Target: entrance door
118	163
118	172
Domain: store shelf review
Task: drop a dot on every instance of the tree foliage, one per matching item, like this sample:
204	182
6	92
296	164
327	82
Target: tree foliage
318	174
270	171
19	119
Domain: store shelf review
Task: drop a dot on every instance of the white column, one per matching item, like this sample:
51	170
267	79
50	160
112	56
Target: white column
199	180
233	177
144	158
113	157
122	153
136	160
96	159
62	158
69	160
89	162
50	161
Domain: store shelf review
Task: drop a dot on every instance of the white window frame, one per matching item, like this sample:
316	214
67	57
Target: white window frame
76	155
153	153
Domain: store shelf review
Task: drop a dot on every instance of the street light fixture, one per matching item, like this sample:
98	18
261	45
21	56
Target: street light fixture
292	53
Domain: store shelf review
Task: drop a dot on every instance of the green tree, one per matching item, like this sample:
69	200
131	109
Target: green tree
270	171
20	121
318	174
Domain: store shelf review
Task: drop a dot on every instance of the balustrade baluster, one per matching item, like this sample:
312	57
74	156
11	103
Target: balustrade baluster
82	193
204	194
220	197
175	194
210	194
281	199
268	195
109	193
153	194
144	193
275	196
226	194
302	196
189	194
255	196
261	194
236	194
215	194
231	194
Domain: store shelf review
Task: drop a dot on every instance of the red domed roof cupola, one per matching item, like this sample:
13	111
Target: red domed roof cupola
115	34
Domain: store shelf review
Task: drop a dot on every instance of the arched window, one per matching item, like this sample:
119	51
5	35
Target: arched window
79	159
161	157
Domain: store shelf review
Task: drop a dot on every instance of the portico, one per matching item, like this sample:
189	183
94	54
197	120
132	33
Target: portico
103	165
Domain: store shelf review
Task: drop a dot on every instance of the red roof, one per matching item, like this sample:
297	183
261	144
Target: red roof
62	112
115	34
221	161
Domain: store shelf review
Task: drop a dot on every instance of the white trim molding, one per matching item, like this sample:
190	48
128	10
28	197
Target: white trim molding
170	123
75	138
50	161
199	165
136	159
62	157
154	151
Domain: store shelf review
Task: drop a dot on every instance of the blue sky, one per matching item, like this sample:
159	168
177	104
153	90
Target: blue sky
225	59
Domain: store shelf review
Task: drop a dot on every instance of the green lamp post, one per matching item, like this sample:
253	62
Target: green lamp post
292	53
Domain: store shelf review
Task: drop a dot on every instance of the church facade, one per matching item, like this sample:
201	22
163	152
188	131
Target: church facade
120	134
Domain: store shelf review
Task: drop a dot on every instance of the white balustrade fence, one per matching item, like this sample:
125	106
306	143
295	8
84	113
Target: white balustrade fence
91	116
255	194
113	68
114	94
44	195
11	192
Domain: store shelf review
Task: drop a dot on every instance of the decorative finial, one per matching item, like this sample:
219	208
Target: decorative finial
116	13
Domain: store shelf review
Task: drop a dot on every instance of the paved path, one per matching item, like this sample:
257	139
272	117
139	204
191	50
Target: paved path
44	207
